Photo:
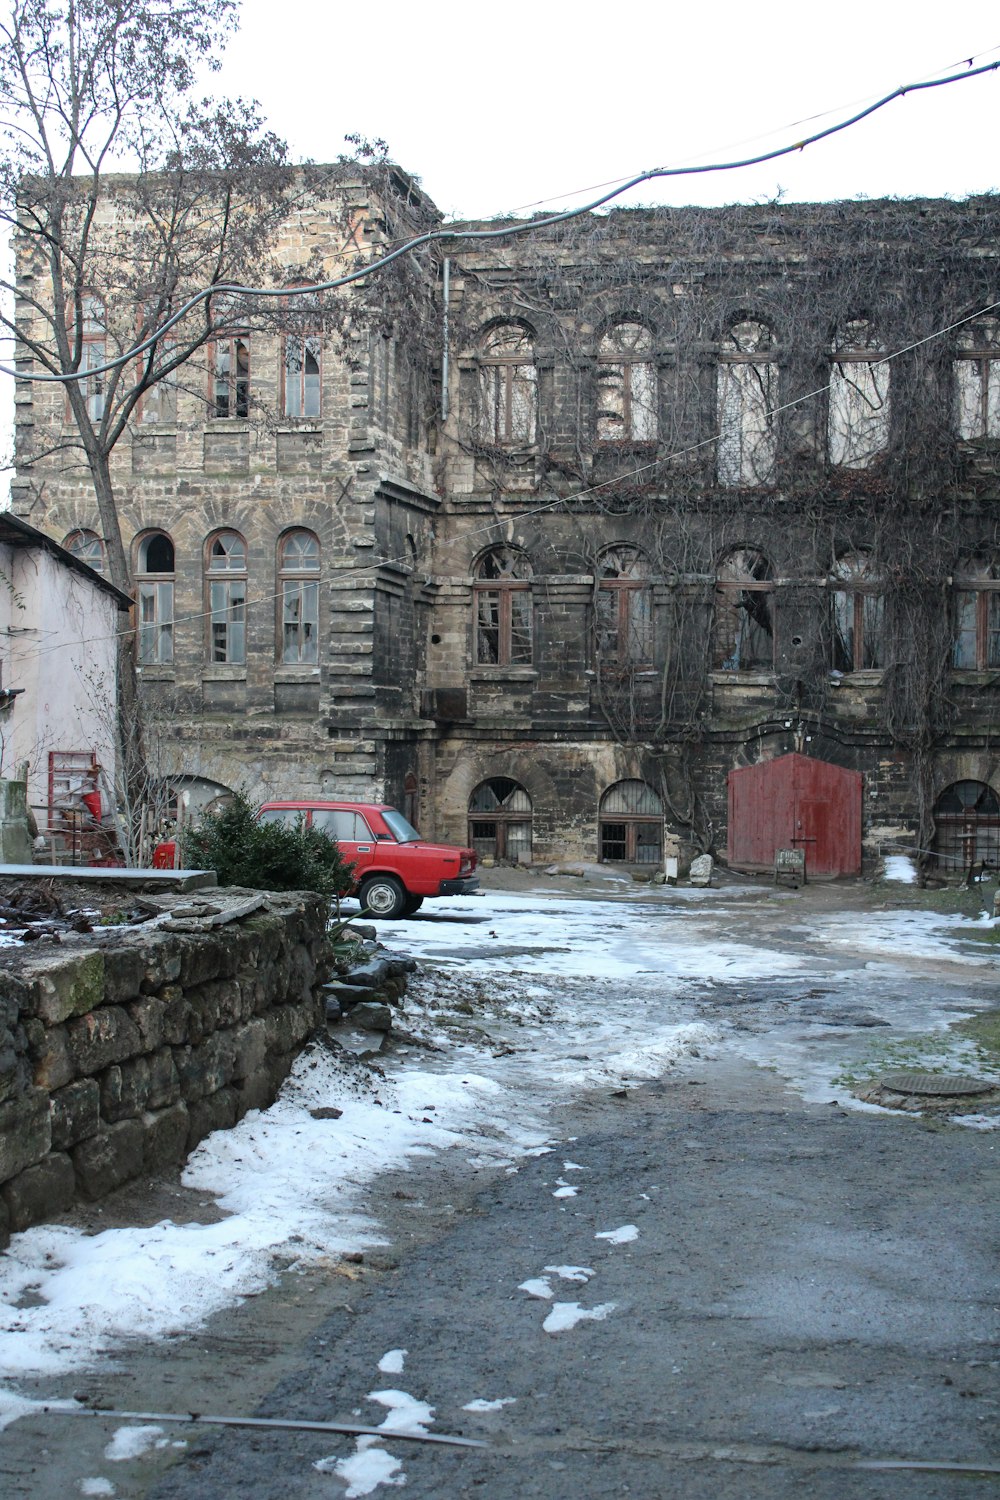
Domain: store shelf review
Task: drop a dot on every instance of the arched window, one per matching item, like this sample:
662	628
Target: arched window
977	380
226	586
747	396
630	824
977	615
87	547
967	820
155	598
859	396
500	821
298	592
743	633
626	386
502	597
858	614
507	387
301	370
623	610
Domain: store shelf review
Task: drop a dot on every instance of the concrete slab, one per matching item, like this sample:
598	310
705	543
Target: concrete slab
150	880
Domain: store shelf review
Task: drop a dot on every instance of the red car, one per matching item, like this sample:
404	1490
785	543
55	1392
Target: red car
394	868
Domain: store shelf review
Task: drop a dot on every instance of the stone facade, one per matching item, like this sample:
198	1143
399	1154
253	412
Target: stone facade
120	1052
632	545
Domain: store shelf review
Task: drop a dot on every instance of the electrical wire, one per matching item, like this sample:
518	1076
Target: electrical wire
349	575
532	226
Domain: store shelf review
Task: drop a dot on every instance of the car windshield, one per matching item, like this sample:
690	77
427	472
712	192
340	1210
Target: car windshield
403	832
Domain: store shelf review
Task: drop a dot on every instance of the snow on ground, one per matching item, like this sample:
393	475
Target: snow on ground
564	994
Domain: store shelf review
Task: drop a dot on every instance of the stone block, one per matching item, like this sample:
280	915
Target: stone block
54	1065
201	960
205	1069
76	1113
69	988
218	1111
164	1084
371	1016
124	971
163	966
13	1068
109	1159
176	1016
40	1192
106	1036
165	1137
250	1049
125	1090
148	1017
25	1132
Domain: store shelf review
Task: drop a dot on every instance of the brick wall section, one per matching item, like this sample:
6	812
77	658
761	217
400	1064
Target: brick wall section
120	1052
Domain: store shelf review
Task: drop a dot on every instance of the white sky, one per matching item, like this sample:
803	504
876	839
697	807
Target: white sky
495	108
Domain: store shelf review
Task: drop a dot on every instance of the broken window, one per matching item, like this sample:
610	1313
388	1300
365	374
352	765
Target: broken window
977	380
977	616
502	597
859	396
155	599
227	597
298	594
507	387
747	396
500	821
626	386
87	547
743	633
630	824
858	615
623	610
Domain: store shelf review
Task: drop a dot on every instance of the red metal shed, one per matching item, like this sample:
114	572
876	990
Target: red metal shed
796	803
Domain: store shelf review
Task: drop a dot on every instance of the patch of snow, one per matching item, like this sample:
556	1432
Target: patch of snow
366	1468
900	867
623	1236
566	1315
538	1286
392	1362
564	1190
97	1487
571	1273
132	1442
480	1405
406	1413
573	1166
976	1122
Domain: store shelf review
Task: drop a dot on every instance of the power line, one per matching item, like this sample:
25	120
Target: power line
532	226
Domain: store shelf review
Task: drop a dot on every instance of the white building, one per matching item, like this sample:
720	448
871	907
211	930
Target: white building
59	623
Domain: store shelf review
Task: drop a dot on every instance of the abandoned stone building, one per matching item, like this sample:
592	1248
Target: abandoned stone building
593	517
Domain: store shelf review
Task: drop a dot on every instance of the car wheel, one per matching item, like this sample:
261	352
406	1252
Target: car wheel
412	904
383	896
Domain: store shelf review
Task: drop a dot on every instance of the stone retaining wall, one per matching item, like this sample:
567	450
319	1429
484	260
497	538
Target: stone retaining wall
121	1050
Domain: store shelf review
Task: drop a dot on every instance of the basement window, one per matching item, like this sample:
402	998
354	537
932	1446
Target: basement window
630	824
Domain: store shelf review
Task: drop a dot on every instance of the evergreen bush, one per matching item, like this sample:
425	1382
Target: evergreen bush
265	856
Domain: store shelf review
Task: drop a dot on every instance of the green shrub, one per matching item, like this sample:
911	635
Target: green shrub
265	856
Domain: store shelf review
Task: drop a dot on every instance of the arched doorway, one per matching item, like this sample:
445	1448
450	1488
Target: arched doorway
500	821
630	825
967	820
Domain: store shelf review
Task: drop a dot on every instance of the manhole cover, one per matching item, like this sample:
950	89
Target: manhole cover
943	1084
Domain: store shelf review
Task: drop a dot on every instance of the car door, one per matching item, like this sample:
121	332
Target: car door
351	832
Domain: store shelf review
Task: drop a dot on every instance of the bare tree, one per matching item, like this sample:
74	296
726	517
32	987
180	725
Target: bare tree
90	89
